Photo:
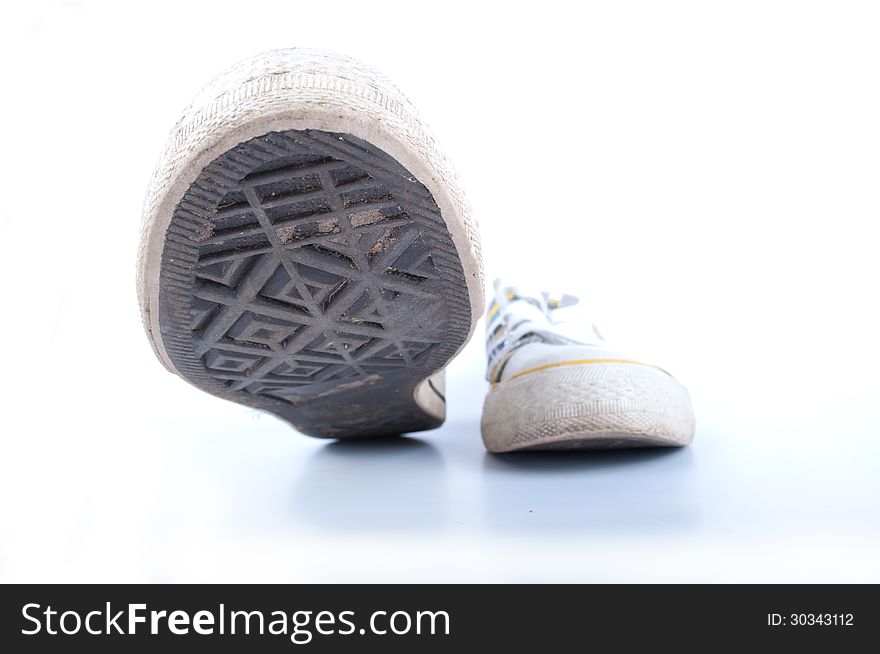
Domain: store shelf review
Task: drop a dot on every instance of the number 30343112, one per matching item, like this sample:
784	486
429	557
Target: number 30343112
810	619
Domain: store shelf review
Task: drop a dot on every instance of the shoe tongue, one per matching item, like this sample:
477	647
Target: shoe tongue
554	307
564	312
543	300
555	302
529	294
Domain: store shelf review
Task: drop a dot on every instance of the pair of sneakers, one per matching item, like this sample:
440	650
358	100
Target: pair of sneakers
307	251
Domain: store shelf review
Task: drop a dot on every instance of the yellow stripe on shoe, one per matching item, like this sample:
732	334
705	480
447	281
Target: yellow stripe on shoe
576	362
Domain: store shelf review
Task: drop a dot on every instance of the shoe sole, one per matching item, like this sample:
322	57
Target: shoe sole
598	406
306	271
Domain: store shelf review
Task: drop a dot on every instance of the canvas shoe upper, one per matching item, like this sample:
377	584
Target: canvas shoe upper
556	383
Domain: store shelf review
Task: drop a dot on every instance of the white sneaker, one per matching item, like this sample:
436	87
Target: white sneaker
557	385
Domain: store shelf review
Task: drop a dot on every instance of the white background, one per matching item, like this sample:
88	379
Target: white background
704	175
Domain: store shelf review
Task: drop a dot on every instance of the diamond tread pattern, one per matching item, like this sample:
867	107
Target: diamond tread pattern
309	274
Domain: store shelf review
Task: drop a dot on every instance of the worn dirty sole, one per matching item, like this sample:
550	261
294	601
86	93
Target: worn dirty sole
309	274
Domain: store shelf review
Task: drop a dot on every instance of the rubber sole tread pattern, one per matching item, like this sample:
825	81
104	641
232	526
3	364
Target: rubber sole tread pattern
309	274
